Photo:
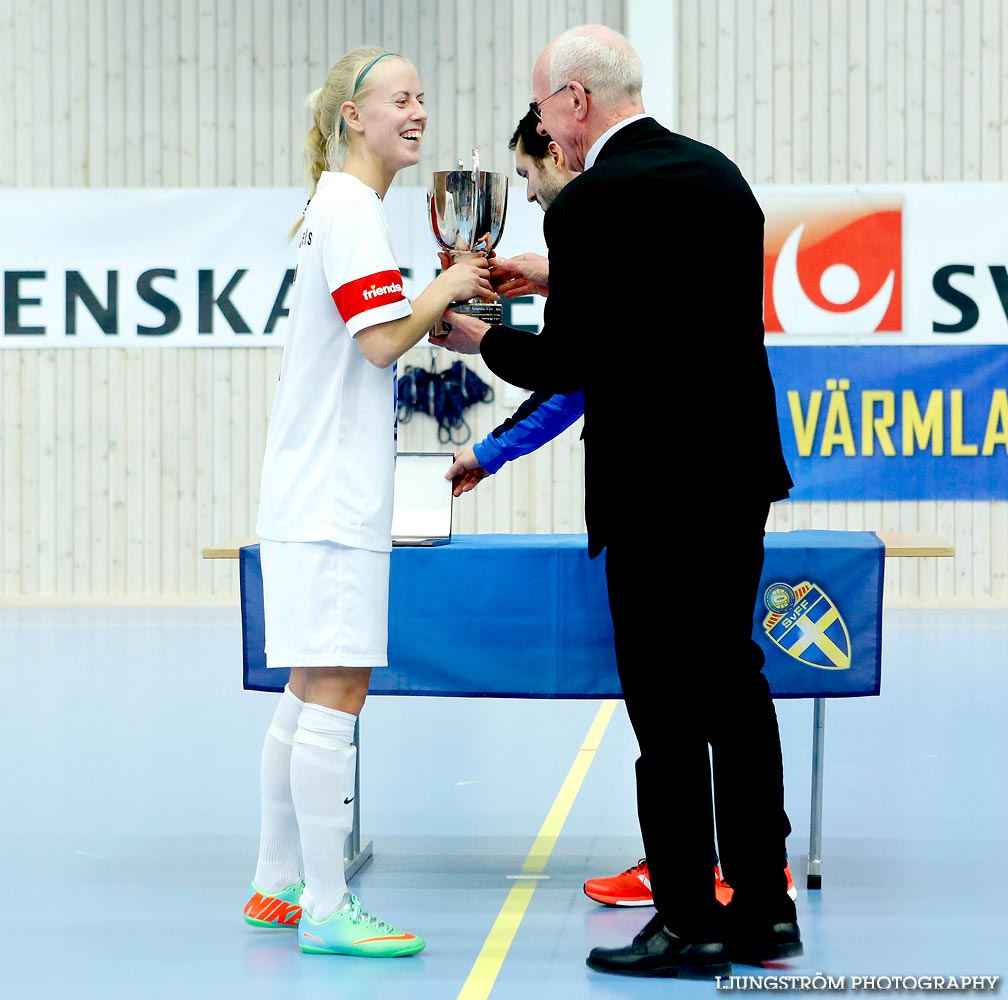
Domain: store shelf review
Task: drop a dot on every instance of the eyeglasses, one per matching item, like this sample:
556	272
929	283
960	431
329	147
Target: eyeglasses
536	106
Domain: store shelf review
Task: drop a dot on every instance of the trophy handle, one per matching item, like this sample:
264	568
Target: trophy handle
477	207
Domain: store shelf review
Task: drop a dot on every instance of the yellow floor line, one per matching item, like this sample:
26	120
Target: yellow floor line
488	963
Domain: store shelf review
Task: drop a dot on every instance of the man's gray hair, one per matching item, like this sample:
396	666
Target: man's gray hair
613	73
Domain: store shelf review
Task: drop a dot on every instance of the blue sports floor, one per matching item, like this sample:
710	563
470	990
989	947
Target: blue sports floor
129	806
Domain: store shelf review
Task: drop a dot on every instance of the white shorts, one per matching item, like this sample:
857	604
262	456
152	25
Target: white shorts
325	605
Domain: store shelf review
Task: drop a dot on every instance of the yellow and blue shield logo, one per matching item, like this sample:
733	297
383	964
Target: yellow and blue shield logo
807	625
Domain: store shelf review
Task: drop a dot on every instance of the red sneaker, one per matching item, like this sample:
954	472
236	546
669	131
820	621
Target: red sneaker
724	891
791	890
631	888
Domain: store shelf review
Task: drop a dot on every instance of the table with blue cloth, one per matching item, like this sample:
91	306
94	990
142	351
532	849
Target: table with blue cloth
530	619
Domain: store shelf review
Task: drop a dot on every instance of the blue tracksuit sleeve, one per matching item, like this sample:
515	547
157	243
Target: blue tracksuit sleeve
539	419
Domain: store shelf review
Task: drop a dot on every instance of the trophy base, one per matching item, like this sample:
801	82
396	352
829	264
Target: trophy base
489	312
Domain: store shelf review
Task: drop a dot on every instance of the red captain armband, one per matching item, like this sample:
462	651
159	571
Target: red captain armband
375	290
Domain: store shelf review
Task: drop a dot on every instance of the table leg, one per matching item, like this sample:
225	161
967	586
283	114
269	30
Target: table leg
814	878
354	855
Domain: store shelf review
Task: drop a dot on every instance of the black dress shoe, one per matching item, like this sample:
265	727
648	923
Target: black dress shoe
656	951
764	932
754	944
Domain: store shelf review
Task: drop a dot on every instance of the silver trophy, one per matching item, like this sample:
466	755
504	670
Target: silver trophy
466	209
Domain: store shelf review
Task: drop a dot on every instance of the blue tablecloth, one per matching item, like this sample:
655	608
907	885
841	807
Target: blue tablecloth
530	618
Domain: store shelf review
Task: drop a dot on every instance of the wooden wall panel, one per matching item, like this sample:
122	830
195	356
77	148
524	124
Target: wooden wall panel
120	465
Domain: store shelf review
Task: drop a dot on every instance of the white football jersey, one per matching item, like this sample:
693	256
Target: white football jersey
330	446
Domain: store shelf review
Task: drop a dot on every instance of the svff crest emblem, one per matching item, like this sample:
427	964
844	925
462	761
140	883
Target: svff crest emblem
806	624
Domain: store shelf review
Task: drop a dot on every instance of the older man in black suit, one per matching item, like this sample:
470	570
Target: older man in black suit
655	312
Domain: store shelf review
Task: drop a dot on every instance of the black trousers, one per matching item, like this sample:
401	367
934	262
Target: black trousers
701	709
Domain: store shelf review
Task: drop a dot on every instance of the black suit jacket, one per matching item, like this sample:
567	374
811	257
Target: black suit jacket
655	310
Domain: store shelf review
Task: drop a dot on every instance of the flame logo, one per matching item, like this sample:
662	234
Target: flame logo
834	266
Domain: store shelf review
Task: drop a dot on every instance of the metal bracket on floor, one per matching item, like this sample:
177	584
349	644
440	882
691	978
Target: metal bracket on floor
355	856
814	877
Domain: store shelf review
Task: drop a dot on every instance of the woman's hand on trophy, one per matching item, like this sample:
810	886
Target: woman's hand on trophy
468	278
465	472
526	274
459	332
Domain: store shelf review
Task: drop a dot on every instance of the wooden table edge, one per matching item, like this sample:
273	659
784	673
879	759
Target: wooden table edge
898	544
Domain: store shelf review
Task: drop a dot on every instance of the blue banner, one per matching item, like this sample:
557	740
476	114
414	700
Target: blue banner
894	422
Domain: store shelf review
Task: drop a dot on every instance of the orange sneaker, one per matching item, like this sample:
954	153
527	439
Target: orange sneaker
724	891
791	890
631	888
278	909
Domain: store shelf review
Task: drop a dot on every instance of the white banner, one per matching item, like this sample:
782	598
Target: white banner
191	267
886	264
199	267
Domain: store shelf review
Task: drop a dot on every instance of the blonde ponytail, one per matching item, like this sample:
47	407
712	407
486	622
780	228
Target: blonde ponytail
327	141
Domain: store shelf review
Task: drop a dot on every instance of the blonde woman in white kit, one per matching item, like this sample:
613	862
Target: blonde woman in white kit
325	511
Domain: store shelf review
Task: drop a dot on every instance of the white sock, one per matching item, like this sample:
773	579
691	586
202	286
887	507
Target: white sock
323	764
279	863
